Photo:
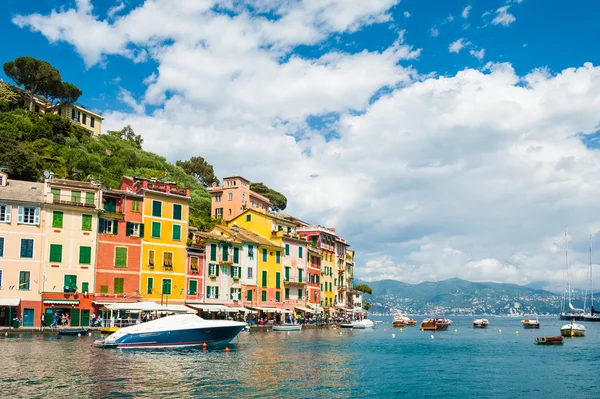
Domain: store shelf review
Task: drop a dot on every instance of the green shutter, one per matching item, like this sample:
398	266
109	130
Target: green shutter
166	286
85	287
101	225
155	229
278	280
225	254
216	292
75	317
55	194
249	294
70	282
236	255
193	287
55	253
135	205
128	228
120	257
287	293
150	285
104	289
57	219
119	282
115	227
277	296
287	249
177	212
156	208
85	255
89	198
86	222
264	255
299	275
277	257
299	293
287	274
300	252
213	252
264	278
141	230
264	295
76	196
176	232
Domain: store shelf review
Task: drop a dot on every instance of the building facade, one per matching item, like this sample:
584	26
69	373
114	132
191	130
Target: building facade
232	198
196	250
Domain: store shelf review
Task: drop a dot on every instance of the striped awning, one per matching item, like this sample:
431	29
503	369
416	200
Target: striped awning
61	301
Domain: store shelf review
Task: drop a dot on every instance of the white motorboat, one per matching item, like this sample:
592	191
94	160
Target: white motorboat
174	331
288	327
480	323
364	323
572	330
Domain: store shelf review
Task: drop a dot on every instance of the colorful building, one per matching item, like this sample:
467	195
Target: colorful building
314	276
120	233
196	250
341	276
164	253
21	251
232	198
70	246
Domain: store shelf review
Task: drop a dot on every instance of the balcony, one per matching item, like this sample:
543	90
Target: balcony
285	234
113	215
58	201
293	279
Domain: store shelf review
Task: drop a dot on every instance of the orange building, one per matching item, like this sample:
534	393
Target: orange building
234	197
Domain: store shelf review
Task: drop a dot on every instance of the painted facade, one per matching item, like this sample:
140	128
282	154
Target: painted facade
341	276
70	246
196	249
21	251
164	254
120	233
232	198
314	276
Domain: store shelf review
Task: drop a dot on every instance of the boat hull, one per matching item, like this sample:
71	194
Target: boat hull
475	325
572	316
297	327
346	325
73	332
435	324
556	340
571	332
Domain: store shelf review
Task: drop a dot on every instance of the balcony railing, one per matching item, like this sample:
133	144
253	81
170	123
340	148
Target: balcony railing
73	203
293	279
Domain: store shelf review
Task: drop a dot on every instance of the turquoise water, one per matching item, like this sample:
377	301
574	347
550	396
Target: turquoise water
315	364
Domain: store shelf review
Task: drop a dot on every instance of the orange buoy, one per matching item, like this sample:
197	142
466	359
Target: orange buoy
227	350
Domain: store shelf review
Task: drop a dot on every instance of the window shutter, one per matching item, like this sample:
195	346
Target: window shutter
287	249
216	292
300	252
177	211
249	294
264	278
8	213
115	227
213	252
217	267
231	293
225	254
278	280
128	229
141	230
236	255
20	215
101	225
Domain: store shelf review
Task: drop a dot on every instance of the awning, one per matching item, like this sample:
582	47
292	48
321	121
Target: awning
268	310
208	308
283	311
61	301
10	301
303	309
239	309
180	309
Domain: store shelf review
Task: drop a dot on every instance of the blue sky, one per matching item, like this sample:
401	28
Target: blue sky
441	138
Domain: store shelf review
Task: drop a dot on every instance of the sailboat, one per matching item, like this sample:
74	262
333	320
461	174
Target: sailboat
593	315
574	313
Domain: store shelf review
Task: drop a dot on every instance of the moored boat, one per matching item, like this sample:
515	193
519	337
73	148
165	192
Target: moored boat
402	321
572	330
288	327
346	325
554	340
434	324
174	331
480	323
527	323
364	323
78	331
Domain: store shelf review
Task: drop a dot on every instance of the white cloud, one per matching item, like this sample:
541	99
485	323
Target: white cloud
458	45
503	17
472	175
450	18
479	54
406	14
466	11
434	32
115	10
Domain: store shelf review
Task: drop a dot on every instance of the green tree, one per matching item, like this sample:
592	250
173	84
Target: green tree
8	96
200	169
128	134
363	288
18	160
278	200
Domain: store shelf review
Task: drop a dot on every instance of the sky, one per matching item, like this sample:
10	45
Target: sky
441	138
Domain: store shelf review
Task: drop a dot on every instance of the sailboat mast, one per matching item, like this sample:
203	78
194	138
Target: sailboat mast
567	260
591	276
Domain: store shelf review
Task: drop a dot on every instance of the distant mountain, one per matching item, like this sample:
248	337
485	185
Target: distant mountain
457	296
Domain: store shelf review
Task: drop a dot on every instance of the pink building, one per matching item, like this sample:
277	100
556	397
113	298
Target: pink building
196	249
234	197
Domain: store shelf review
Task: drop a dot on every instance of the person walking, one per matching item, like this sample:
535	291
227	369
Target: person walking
54	320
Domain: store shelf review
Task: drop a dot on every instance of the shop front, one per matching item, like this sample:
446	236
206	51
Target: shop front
66	310
8	311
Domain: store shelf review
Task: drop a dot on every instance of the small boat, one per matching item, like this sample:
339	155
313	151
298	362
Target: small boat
530	323
174	331
480	323
288	327
79	331
346	325
572	330
364	323
555	340
434	324
402	321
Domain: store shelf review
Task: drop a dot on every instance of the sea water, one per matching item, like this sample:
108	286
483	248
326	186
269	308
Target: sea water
498	362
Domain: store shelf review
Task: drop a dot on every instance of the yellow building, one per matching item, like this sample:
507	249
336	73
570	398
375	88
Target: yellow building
164	254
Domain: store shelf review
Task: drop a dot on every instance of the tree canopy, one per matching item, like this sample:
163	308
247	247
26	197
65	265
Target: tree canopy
200	169
363	288
278	200
40	78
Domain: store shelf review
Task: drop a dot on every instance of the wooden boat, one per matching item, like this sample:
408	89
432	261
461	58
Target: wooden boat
555	340
403	321
572	330
288	327
434	324
480	323
79	331
527	323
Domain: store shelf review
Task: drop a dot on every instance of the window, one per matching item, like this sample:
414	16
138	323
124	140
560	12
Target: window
249	295
135	205
133	229
70	283
212	292
264	295
299	293
104	289
264	278
89	198
235	294
85	255
28	215
278	280
5	213
24	280
37	109
57	219
248	218
176	232
264	255
92	121
75	115
55	253
287	249
299	275
120	257
225	253
2	250
213	252
151	258
168	260
230	196
85	287
286	276
119	282
300	252
60	112
249	272
219	212
155	229
236	272
194	264
166	286
277	296
277	257
110	205
193	287
236	255
156	208
177	211
218	198
86	222
108	226
83	118
150	285
76	196
229	211
251	251
287	293
26	247
213	270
